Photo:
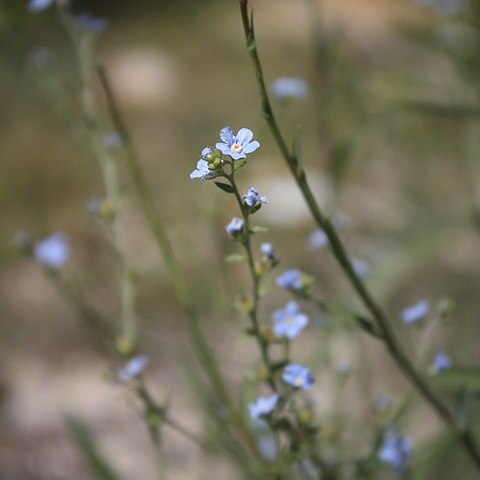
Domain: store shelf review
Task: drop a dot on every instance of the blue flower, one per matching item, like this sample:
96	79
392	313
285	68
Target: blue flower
383	401
38	5
53	251
395	450
291	279
289	321
89	23
360	267
134	367
263	405
448	7
252	199
201	171
441	361
268	251
237	146
112	139
210	161
235	227
416	312
298	376
289	87
317	240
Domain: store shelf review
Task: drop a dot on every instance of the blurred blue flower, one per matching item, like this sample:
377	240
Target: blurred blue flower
441	361
235	227
298	376
395	450
253	199
448	7
53	251
290	279
237	146
268	251
134	367
289	87
112	139
89	23
383	401
416	312
289	321
360	267
38	5
263	405
317	240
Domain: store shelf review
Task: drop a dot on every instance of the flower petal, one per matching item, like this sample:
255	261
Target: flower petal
244	136
226	135
251	147
225	149
236	155
206	151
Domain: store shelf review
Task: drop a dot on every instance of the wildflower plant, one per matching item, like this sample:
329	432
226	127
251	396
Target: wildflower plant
282	384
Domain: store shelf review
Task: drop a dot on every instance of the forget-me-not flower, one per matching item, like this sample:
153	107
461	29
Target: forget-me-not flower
289	321
235	227
263	405
317	240
289	87
252	199
38	5
53	251
441	361
290	279
211	160
395	450
239	145
360	267
298	376
201	171
89	23
416	312
448	7
268	251
383	401
134	367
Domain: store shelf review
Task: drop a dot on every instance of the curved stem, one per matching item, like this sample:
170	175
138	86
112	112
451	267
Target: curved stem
464	437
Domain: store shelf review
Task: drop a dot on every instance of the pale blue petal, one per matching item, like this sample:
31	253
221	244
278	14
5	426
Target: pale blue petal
225	149
244	136
206	151
251	147
237	155
226	135
38	5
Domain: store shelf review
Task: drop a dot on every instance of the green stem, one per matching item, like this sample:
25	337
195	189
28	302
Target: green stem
463	436
253	311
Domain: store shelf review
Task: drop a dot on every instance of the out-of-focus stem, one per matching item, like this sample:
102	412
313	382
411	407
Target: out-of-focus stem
464	436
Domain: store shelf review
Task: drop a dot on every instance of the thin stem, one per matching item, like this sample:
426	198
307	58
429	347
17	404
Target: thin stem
464	437
181	291
253	311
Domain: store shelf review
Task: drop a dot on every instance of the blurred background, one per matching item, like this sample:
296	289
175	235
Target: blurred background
389	130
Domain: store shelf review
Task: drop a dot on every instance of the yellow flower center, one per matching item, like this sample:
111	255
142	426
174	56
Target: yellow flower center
236	147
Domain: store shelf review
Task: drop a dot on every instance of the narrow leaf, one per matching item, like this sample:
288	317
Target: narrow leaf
224	186
236	257
99	467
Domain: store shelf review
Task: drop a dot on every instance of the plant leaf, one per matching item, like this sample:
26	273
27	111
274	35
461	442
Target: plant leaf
224	186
